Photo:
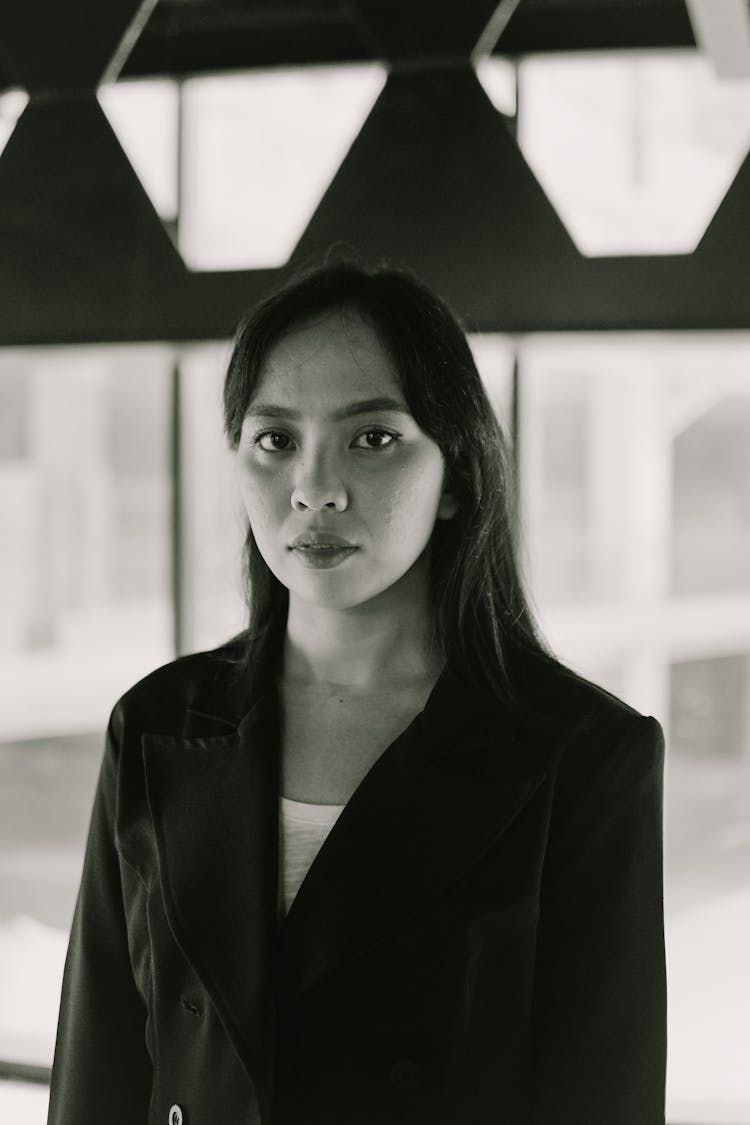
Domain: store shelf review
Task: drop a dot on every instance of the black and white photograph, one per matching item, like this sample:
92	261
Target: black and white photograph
375	562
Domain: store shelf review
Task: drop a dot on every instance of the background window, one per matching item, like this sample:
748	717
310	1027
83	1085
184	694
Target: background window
634	489
635	456
85	502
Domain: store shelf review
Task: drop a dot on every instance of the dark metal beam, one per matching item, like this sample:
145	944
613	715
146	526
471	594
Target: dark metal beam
422	30
48	46
25	1072
596	25
201	37
205	37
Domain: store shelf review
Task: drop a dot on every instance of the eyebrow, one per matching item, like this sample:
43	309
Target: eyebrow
365	406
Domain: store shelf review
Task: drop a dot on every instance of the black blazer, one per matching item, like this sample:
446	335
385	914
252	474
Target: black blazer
478	942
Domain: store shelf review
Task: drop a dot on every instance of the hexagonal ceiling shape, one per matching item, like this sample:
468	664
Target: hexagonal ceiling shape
12	105
259	151
635	153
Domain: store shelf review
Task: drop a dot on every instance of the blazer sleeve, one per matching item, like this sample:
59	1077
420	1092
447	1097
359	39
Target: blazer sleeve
101	1070
599	1052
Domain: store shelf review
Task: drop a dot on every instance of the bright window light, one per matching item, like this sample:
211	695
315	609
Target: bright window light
494	356
12	105
144	115
498	76
260	149
635	490
635	152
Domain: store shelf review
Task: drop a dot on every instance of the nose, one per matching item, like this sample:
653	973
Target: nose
318	486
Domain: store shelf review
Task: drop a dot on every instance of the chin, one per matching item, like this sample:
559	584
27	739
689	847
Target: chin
329	599
331	593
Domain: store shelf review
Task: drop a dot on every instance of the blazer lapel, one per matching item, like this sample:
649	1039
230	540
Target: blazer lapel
433	803
213	803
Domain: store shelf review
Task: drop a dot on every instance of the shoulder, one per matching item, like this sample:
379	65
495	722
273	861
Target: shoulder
589	733
604	777
213	682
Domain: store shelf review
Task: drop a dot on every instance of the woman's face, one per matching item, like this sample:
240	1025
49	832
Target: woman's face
341	486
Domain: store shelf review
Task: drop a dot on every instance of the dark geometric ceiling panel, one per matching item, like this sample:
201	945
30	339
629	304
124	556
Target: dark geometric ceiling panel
78	232
195	36
597	25
425	29
728	233
186	37
436	179
50	45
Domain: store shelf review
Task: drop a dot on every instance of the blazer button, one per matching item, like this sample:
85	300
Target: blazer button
406	1076
176	1116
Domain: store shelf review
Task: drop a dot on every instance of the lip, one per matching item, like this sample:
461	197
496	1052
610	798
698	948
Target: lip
323	557
320	541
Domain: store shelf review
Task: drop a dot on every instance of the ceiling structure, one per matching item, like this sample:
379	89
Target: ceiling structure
197	36
202	35
434	179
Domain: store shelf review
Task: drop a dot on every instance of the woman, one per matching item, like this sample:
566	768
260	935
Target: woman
381	859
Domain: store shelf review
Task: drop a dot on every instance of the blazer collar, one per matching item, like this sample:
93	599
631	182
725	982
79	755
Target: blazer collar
433	804
426	811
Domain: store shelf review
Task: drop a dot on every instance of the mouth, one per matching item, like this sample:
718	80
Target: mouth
320	554
307	542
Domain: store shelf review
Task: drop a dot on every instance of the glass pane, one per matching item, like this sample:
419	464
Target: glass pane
635	478
635	152
711	516
575	450
85	499
213	517
494	356
260	149
707	861
85	604
145	117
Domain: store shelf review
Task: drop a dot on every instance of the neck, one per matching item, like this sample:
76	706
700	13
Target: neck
385	641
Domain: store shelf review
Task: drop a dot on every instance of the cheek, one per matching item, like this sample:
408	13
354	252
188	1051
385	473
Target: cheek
259	496
409	502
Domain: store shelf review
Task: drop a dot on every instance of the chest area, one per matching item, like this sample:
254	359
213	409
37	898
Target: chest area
330	740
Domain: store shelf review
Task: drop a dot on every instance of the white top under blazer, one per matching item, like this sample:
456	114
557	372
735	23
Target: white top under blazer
303	828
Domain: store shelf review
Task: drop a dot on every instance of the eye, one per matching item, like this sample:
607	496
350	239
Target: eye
375	438
272	441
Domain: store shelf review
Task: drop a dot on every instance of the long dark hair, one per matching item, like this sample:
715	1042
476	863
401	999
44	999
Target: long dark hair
481	616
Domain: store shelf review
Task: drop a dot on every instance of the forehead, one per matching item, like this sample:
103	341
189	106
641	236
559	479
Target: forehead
337	353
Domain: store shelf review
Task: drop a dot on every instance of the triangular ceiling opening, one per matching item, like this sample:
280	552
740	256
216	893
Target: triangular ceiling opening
259	149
